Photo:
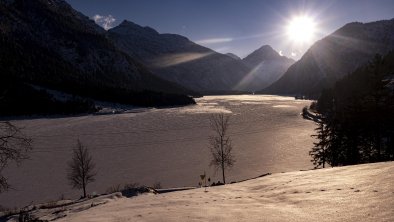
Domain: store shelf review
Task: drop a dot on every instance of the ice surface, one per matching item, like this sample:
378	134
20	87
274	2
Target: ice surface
283	106
161	145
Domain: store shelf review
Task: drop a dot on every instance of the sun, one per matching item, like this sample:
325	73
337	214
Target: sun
301	29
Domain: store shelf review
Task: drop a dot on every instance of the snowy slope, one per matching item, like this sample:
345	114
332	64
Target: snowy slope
353	193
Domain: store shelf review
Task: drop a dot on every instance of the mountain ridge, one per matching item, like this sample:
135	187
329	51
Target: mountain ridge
266	65
334	56
48	43
177	59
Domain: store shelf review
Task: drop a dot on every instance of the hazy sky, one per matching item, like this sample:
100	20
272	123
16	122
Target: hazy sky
237	26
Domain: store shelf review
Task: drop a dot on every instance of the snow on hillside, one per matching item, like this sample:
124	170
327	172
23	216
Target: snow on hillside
353	193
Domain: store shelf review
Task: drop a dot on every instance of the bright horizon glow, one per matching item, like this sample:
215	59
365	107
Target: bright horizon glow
301	29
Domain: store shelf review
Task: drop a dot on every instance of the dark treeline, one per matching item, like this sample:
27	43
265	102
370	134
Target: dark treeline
23	99
356	117
20	98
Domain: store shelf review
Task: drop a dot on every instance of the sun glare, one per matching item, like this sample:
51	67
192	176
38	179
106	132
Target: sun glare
301	29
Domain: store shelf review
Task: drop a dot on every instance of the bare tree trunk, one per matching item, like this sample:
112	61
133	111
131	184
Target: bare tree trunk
84	190
222	152
224	178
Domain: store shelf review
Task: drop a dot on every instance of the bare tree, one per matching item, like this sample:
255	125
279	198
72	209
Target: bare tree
220	144
81	168
14	146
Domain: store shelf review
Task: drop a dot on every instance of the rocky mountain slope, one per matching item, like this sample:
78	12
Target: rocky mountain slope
48	43
266	66
335	56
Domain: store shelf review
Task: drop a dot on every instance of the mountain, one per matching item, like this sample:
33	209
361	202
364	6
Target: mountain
232	55
49	44
177	59
335	56
266	66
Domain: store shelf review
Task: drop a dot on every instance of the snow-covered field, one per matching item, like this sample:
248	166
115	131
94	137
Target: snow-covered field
353	193
162	145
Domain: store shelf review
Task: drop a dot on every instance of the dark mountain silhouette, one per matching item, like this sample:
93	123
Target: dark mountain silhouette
49	44
232	55
177	59
266	66
335	56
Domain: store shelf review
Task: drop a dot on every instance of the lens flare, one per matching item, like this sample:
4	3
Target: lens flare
301	29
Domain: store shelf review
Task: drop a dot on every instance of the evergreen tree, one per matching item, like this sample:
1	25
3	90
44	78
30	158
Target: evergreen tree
319	151
356	121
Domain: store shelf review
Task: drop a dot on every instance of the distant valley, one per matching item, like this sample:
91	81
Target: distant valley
50	45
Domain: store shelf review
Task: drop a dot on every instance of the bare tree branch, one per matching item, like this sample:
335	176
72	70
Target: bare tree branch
81	168
14	146
220	144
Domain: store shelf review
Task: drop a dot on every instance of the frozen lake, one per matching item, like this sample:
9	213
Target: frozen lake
169	146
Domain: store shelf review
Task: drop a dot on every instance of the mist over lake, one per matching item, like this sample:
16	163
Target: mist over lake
169	146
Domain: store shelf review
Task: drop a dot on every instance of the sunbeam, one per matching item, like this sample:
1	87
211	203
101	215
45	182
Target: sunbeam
214	41
178	58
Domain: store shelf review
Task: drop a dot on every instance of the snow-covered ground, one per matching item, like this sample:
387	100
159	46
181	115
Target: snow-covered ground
353	193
